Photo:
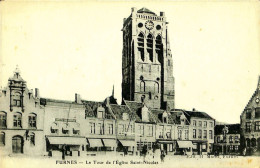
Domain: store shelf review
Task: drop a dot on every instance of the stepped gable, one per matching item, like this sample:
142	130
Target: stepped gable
232	129
256	93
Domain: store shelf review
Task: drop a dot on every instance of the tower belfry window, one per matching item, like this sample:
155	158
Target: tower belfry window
140	42
150	47
159	47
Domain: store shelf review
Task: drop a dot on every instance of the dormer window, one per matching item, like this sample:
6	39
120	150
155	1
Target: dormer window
125	116
165	117
100	112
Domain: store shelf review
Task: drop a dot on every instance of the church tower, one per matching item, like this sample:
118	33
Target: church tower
147	66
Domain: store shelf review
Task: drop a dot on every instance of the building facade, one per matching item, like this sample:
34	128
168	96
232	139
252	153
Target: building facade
227	139
250	124
21	124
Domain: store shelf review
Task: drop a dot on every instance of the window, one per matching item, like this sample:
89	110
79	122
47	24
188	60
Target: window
169	63
200	124
248	113
231	147
32	139
110	129
257	112
236	139
92	128
205	124
150	95
156	87
140	41
65	128
150	130
16	99
121	129
211	124
230	139
194	133
186	134
248	126
100	130
179	134
205	134
210	134
17	120
76	131
236	148
200	134
141	130
218	139
142	86
100	114
32	120
2	139
257	126
54	128
194	123
150	47
2	120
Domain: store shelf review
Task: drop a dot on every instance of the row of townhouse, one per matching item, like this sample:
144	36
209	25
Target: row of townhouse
32	125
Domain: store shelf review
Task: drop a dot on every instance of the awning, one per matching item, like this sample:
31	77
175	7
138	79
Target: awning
95	143
110	142
67	140
185	144
127	143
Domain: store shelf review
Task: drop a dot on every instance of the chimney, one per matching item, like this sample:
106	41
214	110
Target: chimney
194	109
77	98
162	14
37	93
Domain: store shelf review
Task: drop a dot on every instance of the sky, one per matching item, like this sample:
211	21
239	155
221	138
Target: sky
64	48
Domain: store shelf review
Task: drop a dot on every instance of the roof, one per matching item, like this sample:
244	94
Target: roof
158	113
232	129
196	114
91	107
118	110
136	109
145	10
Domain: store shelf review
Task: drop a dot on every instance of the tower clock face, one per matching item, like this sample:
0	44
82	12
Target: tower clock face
149	25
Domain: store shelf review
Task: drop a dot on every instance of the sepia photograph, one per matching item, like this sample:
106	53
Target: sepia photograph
129	83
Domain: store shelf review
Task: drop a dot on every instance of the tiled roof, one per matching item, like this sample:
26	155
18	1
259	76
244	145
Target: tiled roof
196	114
135	109
118	110
91	107
232	129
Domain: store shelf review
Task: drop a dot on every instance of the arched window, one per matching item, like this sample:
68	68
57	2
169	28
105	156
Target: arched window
32	120
2	139
2	119
16	99
142	86
156	87
159	48
150	46
140	42
32	139
17	120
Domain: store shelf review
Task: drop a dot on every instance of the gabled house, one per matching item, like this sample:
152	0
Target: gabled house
21	119
250	124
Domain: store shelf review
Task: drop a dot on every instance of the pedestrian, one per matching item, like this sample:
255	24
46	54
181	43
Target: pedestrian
162	156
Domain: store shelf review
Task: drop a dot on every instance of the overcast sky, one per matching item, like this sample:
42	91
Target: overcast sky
68	48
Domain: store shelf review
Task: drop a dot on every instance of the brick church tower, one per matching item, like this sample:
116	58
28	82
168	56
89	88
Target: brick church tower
147	66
